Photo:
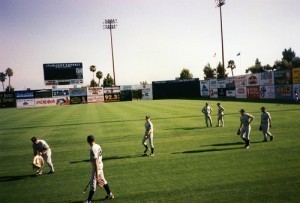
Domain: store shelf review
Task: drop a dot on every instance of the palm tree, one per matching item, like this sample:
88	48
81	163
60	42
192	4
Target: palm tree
93	69
2	79
9	73
99	75
231	65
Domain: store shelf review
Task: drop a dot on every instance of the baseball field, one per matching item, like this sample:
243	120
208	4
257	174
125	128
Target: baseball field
192	163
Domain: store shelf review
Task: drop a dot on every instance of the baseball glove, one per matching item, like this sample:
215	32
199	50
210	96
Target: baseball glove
238	132
100	182
260	128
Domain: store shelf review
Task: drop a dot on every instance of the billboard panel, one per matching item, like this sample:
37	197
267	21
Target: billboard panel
296	90
267	92
213	93
44	102
60	101
7	99
253	92
221	83
241	92
253	79
78	91
63	73
296	75
283	77
230	93
95	99
25	103
95	91
204	88
111	94
78	99
284	92
221	92
267	78
45	93
213	83
230	83
60	92
25	94
240	81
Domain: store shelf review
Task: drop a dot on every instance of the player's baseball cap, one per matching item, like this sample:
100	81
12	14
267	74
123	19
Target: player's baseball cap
33	139
90	139
242	110
263	108
218	103
147	117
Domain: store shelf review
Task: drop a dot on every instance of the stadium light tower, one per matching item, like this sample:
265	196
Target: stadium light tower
220	3
111	24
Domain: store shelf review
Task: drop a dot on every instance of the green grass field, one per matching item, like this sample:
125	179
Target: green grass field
192	163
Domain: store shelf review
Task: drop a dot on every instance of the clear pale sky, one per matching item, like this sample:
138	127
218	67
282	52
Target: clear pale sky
154	39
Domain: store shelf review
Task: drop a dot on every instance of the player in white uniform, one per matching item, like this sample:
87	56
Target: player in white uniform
245	127
148	136
207	110
265	124
97	177
42	148
220	115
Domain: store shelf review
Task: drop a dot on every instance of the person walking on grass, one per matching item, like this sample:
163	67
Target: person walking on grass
97	177
148	136
265	124
207	110
245	127
220	115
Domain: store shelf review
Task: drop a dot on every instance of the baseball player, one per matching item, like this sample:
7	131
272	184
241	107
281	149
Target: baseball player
97	177
148	136
207	110
40	147
245	127
220	115
265	124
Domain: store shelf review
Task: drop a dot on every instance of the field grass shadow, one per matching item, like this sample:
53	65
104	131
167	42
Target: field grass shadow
108	158
207	150
185	128
14	178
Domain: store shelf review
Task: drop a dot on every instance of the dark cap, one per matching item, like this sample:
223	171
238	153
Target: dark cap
90	138
206	104
263	108
218	104
242	110
147	117
33	139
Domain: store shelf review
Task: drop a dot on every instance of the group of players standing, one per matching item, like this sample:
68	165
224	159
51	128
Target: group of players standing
245	120
42	150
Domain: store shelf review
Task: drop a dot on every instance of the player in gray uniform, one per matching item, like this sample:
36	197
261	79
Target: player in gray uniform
97	177
220	115
148	136
207	110
42	148
265	124
245	127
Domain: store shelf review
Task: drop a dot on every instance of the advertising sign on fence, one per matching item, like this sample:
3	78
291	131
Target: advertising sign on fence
267	92
112	94
230	83
284	92
253	92
45	93
296	75
44	102
296	91
241	92
24	94
240	81
230	93
267	78
283	77
213	93
78	92
60	92
25	103
7	99
221	83
204	88
213	83
253	79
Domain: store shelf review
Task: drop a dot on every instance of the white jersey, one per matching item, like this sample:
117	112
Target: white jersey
245	119
220	110
265	117
96	153
207	110
40	146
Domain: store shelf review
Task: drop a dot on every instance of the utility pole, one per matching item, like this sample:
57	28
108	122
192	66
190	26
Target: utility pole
111	24
220	3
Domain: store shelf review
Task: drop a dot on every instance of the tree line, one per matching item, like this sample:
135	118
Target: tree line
3	76
289	61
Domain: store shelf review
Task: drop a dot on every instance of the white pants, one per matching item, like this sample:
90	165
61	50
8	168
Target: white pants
47	157
265	130
245	133
93	182
144	142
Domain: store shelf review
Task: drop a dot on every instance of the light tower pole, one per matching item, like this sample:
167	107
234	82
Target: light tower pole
220	3
111	24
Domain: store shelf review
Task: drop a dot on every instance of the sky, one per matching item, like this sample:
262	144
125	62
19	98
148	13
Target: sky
154	39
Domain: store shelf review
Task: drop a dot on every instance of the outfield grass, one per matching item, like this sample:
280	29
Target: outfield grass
192	163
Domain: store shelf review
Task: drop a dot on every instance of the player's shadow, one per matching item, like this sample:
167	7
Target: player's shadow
14	178
206	150
107	158
189	128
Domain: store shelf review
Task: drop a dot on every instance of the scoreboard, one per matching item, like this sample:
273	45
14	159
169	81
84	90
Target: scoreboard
63	73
